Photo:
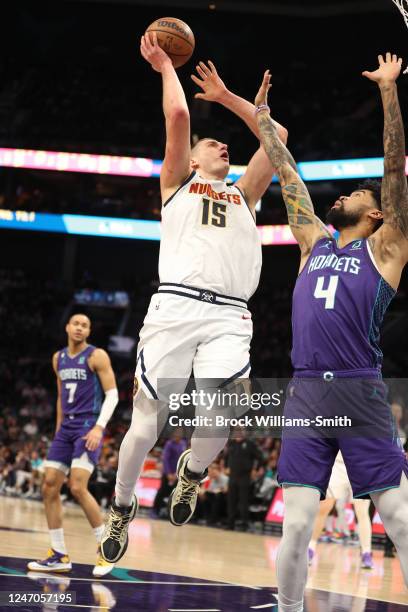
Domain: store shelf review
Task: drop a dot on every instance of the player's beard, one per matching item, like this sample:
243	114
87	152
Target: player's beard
339	218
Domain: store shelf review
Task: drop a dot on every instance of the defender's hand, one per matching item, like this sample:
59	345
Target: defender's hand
211	83
150	50
93	438
388	70
262	95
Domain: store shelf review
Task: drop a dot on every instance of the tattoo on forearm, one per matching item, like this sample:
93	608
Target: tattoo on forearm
394	191
295	194
300	207
274	147
298	204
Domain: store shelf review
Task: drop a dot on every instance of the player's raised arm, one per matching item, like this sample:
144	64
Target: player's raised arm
101	364
59	405
176	164
307	228
259	172
215	90
390	242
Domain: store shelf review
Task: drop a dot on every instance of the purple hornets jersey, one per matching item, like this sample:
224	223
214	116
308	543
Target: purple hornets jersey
339	302
81	391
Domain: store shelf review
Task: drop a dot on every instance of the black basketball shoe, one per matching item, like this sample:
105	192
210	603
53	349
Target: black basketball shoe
115	538
183	499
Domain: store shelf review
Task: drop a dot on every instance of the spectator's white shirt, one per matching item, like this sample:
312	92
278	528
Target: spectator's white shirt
217	485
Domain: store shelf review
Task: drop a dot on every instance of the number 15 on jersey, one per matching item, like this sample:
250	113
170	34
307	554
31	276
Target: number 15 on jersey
214	213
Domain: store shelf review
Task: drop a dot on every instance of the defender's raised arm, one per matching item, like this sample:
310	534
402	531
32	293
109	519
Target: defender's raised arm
390	242
258	175
306	227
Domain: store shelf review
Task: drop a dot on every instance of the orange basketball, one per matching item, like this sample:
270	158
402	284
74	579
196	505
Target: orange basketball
175	38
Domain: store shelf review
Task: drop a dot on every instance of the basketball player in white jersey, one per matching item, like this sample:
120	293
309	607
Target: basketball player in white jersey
209	266
340	490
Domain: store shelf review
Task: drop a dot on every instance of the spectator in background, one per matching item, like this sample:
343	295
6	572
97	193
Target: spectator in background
398	414
37	474
242	455
213	495
172	450
31	428
22	469
102	483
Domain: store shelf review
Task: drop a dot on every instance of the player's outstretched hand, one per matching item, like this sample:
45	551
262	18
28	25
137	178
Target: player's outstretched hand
388	70
262	95
210	82
93	438
150	50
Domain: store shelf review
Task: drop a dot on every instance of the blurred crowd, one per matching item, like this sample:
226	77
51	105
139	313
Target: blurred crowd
240	483
105	98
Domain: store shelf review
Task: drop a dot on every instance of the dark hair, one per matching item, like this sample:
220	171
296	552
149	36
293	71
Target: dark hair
375	187
79	314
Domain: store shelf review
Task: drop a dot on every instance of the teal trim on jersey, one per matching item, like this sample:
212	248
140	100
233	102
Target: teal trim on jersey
377	491
97	394
299	484
385	294
370	329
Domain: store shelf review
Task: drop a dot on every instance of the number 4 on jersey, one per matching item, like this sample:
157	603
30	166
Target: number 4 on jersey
328	294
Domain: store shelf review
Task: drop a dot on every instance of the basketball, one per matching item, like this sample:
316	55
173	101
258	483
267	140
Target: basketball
175	37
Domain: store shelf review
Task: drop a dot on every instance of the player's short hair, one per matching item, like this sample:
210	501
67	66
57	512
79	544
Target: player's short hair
197	144
79	314
374	187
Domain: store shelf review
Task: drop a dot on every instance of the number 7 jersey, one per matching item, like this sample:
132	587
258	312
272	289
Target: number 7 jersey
210	239
81	391
339	302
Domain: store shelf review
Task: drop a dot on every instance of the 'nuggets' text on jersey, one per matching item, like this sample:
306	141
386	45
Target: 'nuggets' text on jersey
81	392
339	302
201	188
210	239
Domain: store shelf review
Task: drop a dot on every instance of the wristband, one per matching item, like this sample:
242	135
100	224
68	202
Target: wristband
262	107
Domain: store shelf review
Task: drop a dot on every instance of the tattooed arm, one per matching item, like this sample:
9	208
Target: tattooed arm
390	243
306	227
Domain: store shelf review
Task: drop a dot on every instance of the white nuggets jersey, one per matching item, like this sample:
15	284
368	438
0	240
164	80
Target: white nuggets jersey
209	239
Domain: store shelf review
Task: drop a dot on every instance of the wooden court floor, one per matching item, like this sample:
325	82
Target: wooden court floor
209	556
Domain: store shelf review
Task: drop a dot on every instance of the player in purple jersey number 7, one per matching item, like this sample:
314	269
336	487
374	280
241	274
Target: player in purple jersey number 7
83	373
341	294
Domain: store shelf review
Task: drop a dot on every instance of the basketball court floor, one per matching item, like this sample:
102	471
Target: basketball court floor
188	569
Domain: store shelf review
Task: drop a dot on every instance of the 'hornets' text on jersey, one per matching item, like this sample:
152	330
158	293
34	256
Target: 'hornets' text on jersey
338	305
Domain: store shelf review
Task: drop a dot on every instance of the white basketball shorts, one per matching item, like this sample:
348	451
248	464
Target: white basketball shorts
192	330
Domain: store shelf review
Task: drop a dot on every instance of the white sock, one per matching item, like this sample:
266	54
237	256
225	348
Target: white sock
392	506
98	531
296	607
206	442
313	545
301	508
57	540
141	436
